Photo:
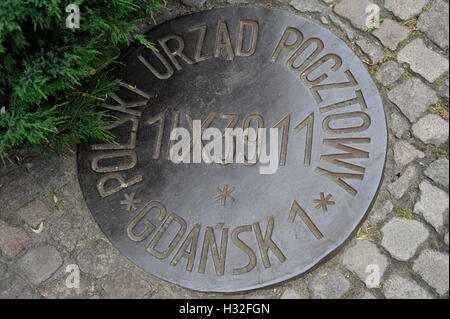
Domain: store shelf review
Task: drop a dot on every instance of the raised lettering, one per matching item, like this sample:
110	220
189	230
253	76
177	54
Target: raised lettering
258	141
223	41
337	64
311	57
267	243
192	241
165	63
219	258
351	152
121	146
245	248
315	89
364	125
149	226
164	254
283	42
254	37
296	209
113	168
204	126
201	39
359	99
309	123
172	54
284	124
122	184
161	118
175	124
338	179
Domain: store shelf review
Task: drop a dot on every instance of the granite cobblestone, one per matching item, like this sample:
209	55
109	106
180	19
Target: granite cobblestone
31	264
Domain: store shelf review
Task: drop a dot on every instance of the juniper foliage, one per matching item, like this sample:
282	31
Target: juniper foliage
52	78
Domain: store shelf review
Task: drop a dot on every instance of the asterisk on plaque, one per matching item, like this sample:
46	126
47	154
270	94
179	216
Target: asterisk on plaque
224	194
130	201
323	202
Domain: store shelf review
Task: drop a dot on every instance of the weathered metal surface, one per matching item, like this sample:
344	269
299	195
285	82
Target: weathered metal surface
213	227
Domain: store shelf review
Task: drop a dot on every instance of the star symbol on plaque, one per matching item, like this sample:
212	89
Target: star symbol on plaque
324	202
130	201
224	194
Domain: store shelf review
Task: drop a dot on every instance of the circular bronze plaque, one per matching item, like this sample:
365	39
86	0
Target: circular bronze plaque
229	227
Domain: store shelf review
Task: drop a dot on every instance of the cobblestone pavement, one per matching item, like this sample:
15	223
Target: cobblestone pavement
45	224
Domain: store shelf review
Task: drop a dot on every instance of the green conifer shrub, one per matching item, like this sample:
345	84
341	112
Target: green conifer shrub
52	78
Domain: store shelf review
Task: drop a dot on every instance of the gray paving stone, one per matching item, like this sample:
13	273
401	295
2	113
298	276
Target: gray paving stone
124	284
343	26
373	50
355	11
57	289
97	258
438	171
3	269
431	129
426	62
397	287
405	153
292	294
401	185
12	239
47	171
66	228
16	188
432	205
391	33
412	98
15	287
237	1
402	237
434	23
399	124
70	193
194	3
363	254
167	293
34	213
433	267
444	89
446	238
405	9
365	295
380	213
307	5
262	296
328	284
39	263
5	168
389	72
